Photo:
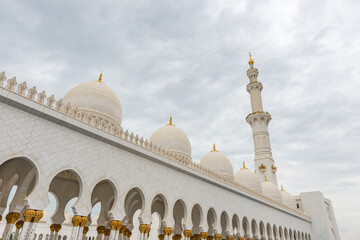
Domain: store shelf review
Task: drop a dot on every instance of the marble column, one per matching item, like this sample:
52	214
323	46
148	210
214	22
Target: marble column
38	215
76	220
167	233
100	231
11	218
187	234
19	224
29	214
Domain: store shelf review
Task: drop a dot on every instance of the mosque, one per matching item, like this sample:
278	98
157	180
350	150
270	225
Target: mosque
76	148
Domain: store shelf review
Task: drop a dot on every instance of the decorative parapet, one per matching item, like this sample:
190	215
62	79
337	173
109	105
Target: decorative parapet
99	123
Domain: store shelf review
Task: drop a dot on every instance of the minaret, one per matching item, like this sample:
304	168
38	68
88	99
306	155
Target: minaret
259	121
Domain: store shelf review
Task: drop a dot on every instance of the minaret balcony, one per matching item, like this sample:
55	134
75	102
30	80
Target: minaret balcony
254	85
258	116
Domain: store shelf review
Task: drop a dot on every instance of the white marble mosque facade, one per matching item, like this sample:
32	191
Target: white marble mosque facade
76	147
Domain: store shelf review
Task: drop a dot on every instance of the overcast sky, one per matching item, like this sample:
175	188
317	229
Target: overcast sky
189	59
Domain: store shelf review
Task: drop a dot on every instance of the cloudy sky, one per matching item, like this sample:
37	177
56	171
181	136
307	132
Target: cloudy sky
189	59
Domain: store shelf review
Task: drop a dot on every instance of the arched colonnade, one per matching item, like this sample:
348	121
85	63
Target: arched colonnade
178	219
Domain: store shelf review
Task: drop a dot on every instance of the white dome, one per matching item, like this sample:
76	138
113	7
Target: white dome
173	139
248	178
270	190
217	161
96	98
287	198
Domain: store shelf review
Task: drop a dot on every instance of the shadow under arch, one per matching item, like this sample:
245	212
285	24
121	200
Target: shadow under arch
179	214
134	200
105	193
196	218
65	186
211	218
22	172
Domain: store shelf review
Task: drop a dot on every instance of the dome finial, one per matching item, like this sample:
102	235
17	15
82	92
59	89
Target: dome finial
170	121
265	179
100	78
251	61
282	189
214	148
244	167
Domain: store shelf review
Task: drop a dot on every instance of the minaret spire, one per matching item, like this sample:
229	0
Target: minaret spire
259	121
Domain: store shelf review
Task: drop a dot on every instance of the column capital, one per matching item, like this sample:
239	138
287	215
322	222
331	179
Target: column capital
113	224
203	235
84	221
19	224
230	237
241	238
76	220
210	238
161	236
100	229
168	231
38	215
187	233
176	237
29	214
217	236
142	228
123	229
12	217
118	225
128	233
57	227
107	232
86	229
52	227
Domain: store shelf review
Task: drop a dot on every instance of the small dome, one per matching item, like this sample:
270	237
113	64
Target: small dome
96	98
45	217
173	139
248	178
217	161
287	198
270	190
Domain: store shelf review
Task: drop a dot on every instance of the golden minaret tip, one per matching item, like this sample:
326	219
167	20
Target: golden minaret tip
100	78
251	61
282	189
170	121
265	179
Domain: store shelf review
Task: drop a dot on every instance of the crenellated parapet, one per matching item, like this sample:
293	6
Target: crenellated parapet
99	122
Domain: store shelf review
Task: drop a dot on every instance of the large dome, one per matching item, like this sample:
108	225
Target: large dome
173	139
217	161
270	190
248	178
98	99
287	198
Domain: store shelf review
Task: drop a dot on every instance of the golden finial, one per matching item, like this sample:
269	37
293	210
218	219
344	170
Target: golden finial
214	148
244	167
170	121
100	77
282	189
265	179
251	61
